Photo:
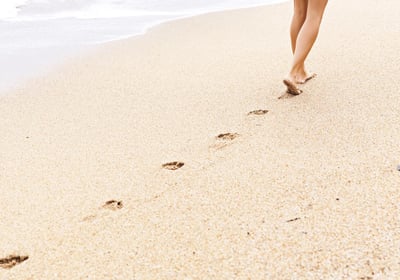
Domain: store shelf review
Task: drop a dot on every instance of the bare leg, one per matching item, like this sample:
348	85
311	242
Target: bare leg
299	17
305	40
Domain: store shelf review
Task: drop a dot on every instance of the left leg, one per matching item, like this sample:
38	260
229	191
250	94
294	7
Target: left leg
298	19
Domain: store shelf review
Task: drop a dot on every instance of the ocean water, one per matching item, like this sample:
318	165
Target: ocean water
36	35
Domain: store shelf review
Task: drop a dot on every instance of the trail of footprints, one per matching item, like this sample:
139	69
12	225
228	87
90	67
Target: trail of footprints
222	140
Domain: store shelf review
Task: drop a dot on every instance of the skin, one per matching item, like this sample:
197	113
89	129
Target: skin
304	30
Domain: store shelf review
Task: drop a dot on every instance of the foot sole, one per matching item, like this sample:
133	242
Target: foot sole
292	88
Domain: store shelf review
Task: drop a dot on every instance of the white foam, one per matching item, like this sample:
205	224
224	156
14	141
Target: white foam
31	30
97	12
36	10
9	8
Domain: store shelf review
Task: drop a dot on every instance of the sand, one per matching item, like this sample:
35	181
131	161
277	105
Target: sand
308	190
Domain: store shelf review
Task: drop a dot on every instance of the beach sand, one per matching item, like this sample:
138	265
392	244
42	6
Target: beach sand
308	190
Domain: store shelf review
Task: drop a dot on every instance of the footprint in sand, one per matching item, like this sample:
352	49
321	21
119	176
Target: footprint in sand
258	112
173	165
286	95
293	220
113	205
12	261
228	136
224	140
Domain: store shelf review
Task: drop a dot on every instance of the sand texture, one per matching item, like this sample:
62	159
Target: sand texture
142	160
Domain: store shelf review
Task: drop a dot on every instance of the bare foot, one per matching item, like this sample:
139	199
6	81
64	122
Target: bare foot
306	79
291	87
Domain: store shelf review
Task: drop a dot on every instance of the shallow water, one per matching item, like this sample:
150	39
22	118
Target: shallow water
37	34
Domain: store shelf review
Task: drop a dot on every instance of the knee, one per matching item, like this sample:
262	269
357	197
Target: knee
300	14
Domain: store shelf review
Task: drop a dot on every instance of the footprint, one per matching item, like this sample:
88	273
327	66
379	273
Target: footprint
293	220
224	140
228	136
12	261
286	95
173	165
113	205
258	112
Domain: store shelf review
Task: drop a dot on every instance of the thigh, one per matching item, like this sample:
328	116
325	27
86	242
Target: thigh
316	7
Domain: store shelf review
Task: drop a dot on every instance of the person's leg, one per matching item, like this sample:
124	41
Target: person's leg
299	17
305	40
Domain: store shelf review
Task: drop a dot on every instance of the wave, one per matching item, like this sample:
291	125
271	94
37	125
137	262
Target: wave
36	34
37	10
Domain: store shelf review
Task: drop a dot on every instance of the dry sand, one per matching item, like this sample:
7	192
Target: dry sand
309	190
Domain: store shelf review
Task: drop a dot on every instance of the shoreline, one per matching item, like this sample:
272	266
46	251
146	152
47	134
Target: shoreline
142	160
158	23
71	52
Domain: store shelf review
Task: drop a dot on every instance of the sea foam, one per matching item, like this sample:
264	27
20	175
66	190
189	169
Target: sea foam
36	34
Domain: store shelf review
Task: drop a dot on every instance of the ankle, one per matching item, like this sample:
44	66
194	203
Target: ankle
296	72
